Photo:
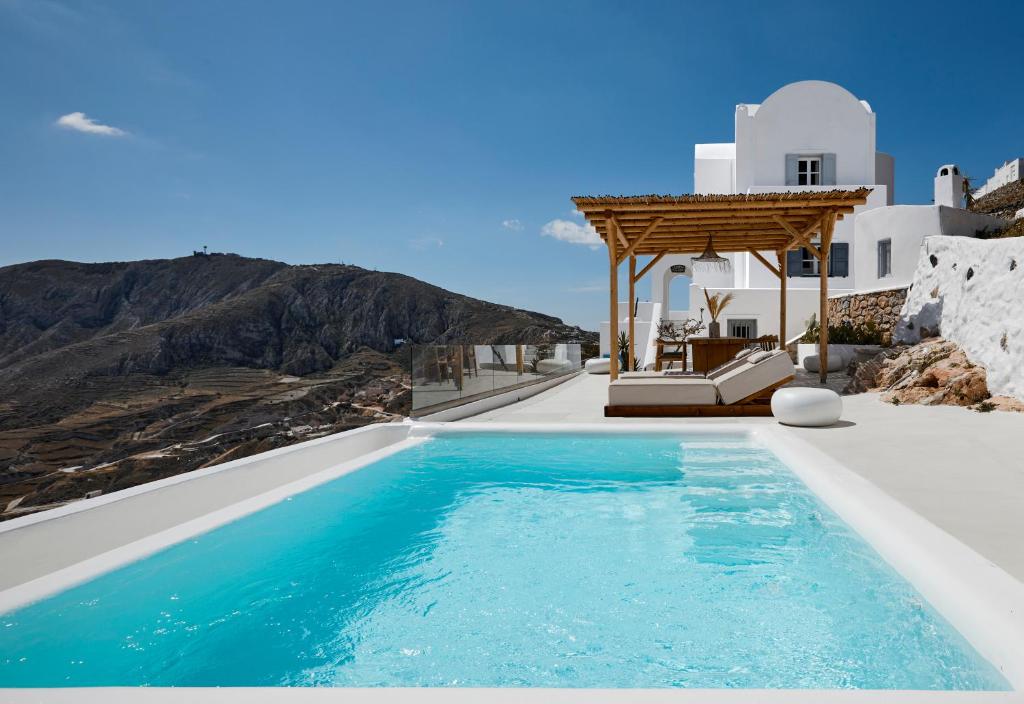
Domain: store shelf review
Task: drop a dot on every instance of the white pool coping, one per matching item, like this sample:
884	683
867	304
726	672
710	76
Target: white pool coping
976	596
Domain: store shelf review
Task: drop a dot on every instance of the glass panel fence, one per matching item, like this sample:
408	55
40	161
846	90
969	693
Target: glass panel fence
448	375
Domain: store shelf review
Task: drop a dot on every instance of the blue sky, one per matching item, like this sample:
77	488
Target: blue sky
439	139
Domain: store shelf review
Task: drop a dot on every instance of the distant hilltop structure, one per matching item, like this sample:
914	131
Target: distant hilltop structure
1010	172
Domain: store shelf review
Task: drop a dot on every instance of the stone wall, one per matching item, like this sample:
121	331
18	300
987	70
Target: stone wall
883	307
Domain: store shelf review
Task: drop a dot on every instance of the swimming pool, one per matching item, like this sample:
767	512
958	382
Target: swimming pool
512	560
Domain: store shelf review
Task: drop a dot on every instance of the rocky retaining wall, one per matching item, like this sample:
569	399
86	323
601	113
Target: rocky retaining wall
882	307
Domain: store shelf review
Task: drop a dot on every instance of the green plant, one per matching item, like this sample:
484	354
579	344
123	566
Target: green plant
846	333
624	353
985	407
717	303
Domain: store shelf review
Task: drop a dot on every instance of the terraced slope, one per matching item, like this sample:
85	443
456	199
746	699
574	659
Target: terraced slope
114	374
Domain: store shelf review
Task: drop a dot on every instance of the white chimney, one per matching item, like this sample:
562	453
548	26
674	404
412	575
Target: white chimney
949	186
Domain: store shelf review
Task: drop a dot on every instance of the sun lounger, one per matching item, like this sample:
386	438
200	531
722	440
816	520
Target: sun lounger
742	387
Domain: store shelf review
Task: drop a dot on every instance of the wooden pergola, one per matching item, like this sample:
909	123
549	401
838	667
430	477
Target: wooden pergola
761	224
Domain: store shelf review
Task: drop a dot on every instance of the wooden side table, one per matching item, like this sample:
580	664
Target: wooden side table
709	352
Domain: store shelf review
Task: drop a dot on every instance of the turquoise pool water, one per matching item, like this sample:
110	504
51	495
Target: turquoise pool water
512	561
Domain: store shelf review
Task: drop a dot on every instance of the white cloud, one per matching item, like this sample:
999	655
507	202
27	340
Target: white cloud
422	243
569	231
576	213
80	122
512	224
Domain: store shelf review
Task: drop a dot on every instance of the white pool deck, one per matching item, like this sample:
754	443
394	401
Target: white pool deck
959	470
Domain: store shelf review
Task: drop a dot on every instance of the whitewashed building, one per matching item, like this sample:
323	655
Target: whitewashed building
1010	172
806	136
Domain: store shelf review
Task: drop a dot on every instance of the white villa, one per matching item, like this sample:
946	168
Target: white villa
806	136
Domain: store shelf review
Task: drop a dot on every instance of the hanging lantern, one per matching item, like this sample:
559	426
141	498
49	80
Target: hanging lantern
711	261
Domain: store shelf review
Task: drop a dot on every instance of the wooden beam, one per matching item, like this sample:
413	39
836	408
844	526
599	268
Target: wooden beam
627	218
696	246
827	225
723	226
650	265
767	264
783	280
613	224
802	237
613	320
640	240
632	313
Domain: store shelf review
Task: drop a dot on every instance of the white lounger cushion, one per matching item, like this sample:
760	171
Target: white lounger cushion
665	391
734	363
747	380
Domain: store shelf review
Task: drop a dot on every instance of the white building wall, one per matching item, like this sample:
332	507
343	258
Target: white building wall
808	117
907	226
885	175
713	168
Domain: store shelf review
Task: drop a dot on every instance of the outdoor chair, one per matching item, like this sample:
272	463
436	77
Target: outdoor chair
741	387
767	343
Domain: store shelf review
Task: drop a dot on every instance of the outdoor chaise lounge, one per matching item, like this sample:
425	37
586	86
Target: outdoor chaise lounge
740	387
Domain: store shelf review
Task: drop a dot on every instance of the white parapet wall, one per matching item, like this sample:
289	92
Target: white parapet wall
971	292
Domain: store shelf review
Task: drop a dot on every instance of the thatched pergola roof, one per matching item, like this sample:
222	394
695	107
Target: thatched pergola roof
738	223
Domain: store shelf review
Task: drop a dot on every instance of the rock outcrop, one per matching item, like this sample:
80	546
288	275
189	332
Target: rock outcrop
933	372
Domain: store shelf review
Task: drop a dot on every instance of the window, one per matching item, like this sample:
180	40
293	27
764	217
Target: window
808	171
884	258
742	327
801	262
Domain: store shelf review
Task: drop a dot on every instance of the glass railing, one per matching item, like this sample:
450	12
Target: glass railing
444	376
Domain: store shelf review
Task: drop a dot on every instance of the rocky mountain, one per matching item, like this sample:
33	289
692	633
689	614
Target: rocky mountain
117	373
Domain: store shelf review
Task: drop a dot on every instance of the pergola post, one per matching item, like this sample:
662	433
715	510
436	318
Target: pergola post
613	286
827	225
783	276
631	365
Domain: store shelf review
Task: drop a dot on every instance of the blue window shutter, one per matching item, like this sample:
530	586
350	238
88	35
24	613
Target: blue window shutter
839	259
828	169
791	175
794	262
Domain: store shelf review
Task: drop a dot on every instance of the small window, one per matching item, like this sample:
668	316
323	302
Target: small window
944	171
884	258
742	327
808	171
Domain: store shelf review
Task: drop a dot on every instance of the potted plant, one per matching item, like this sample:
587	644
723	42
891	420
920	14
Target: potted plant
716	304
624	353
